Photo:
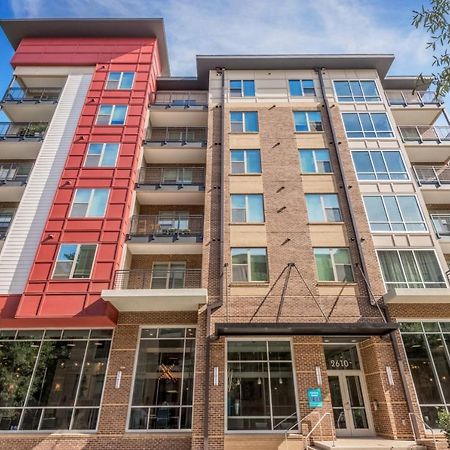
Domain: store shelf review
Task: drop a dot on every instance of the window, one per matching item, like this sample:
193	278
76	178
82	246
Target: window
74	261
89	203
111	115
307	121
260	382
323	208
164	380
427	346
357	91
244	122
247	208
242	88
245	161
52	379
249	264
298	88
333	264
394	213
315	161
367	125
120	80
379	165
101	155
168	275
411	269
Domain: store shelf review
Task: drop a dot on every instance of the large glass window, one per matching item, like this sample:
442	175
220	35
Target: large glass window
164	380
427	346
367	125
111	115
101	155
89	203
323	208
120	80
411	269
242	88
394	213
52	379
379	165
299	88
315	161
247	208
245	161
74	261
244	122
260	386
307	121
249	264
356	91
333	264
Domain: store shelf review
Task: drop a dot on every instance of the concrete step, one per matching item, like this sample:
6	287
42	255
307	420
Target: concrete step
367	444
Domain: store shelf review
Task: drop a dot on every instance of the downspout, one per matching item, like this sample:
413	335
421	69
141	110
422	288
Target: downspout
216	305
373	302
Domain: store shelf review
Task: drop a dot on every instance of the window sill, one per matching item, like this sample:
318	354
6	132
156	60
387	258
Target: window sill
335	283
316	173
159	432
326	223
249	283
245	174
246	223
309	132
243	132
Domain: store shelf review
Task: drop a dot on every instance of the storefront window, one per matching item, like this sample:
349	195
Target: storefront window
164	380
260	381
53	379
427	346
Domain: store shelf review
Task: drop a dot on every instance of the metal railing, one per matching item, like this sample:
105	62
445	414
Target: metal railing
425	133
441	224
22	130
416	418
183	135
166	225
18	172
178	176
307	438
405	98
437	175
35	94
185	99
5	222
158	279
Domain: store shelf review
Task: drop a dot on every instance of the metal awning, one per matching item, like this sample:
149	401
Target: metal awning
306	329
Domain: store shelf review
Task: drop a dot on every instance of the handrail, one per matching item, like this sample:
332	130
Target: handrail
425	133
286	418
34	94
319	422
424	423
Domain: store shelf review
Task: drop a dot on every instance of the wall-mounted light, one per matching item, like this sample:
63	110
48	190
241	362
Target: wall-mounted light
118	379
216	376
318	376
389	376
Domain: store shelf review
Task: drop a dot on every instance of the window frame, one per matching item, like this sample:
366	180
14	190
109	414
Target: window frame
169	273
313	150
376	137
243	113
102	155
111	115
323	208
89	203
75	259
242	93
379	180
248	265
245	161
247	209
308	122
302	89
333	265
348	80
120	81
390	224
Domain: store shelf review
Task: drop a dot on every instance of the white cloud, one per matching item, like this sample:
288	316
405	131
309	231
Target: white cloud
260	26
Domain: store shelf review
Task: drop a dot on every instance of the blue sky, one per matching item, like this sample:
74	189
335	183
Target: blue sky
254	26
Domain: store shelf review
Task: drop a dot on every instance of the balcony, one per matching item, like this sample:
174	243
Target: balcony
179	108
441	223
30	103
417	295
5	223
13	179
21	140
156	290
434	182
419	107
171	185
184	145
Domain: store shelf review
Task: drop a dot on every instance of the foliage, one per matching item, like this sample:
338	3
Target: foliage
444	423
435	20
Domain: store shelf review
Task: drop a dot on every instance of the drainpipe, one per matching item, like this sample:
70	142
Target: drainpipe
214	306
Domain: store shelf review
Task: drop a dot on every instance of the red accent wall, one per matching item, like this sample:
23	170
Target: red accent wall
78	302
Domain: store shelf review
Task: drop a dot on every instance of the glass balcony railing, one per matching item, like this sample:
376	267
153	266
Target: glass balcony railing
182	135
407	98
184	99
178	176
18	94
5	222
422	134
166	225
22	130
441	224
436	175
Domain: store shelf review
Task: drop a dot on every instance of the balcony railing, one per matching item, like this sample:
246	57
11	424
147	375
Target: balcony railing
425	133
185	99
441	224
175	176
406	98
186	225
22	130
157	279
437	175
36	94
182	135
5	222
18	172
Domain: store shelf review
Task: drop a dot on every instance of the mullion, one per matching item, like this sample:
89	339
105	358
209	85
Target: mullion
433	367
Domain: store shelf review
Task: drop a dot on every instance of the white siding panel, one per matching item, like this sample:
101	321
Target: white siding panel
23	238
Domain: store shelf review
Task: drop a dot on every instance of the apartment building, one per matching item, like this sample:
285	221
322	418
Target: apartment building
252	258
